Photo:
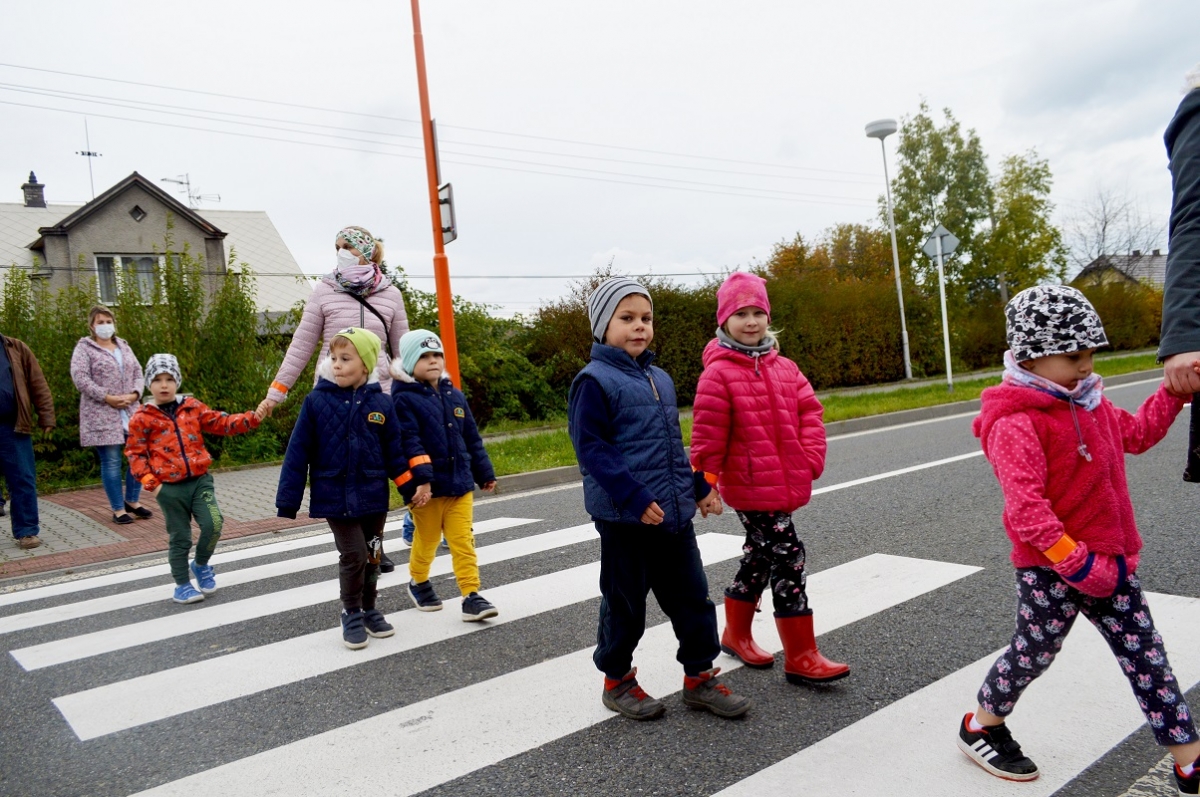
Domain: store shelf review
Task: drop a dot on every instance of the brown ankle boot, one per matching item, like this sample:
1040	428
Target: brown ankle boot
737	639
803	662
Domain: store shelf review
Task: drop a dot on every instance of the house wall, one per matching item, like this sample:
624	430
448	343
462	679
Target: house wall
111	230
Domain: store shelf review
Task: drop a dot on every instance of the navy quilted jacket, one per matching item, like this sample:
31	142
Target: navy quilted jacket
441	440
348	441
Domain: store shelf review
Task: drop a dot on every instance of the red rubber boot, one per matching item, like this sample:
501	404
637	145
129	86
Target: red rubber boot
803	663
737	640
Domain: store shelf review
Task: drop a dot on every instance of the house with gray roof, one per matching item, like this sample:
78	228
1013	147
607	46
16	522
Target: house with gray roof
1135	268
124	229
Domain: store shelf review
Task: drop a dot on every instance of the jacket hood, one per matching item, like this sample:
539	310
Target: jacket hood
715	352
325	372
1004	400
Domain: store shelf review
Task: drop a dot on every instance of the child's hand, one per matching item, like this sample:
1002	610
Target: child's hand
265	408
260	413
422	495
653	514
710	505
489	487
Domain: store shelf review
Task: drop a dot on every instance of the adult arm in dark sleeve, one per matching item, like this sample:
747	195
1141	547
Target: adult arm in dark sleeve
591	434
1181	294
420	465
293	476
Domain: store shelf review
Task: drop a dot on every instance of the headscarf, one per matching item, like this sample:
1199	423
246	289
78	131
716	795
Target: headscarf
359	279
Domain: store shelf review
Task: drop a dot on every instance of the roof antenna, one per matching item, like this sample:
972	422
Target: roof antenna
194	197
89	154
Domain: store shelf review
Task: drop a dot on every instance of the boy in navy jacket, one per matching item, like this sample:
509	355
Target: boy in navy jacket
448	459
347	438
641	492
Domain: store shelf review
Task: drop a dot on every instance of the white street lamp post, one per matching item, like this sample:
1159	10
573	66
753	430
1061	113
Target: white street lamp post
881	129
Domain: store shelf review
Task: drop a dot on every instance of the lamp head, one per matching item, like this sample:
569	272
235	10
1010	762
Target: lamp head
881	128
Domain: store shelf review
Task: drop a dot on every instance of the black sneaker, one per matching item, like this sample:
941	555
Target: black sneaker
996	751
423	596
354	632
386	565
1189	784
475	607
376	624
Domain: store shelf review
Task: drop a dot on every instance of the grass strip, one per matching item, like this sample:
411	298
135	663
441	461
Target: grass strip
553	449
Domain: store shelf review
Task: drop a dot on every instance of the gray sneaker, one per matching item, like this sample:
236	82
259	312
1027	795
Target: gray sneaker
629	700
705	691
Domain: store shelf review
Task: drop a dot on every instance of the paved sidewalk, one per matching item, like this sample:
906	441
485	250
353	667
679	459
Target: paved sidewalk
77	527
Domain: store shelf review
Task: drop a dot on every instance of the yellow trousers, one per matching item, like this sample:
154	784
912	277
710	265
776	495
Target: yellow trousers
453	518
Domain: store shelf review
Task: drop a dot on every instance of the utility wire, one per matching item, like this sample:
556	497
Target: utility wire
789	196
148	106
444	126
304	275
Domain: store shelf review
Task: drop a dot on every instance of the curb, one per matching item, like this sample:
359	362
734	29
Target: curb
532	480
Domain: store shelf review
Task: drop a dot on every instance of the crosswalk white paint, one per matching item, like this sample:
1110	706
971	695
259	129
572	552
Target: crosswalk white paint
1067	719
419	745
140	597
126	704
108	640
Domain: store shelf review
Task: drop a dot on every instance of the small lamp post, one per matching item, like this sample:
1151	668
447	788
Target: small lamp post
881	129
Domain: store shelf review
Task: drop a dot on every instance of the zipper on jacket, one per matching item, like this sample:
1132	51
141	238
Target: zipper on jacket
662	412
179	435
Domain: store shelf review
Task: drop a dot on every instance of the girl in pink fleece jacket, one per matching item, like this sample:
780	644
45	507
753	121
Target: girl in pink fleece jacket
758	437
1058	448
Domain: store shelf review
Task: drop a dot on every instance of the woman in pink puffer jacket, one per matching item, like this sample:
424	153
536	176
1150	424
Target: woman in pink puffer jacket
757	435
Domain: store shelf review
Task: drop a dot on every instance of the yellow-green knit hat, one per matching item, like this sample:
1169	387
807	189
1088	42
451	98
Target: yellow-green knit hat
366	343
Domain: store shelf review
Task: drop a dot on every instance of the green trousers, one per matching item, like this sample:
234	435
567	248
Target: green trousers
180	502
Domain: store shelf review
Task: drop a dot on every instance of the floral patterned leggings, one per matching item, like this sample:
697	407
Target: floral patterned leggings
1046	609
774	554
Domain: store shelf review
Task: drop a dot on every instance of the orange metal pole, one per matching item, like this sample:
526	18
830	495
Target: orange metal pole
441	264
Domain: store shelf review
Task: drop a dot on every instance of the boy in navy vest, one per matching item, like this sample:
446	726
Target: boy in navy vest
642	494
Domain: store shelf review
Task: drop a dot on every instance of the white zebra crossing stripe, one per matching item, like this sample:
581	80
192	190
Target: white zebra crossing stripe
126	704
1069	718
108	640
126	600
419	746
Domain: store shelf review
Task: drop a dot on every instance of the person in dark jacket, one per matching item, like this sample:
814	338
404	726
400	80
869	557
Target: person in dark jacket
642	494
344	442
23	389
1179	344
448	459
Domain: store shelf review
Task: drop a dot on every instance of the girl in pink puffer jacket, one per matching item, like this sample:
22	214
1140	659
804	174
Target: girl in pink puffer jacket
758	437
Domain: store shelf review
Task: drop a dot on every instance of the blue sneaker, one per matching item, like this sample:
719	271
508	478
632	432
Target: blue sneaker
205	577
186	593
354	631
377	625
475	607
423	596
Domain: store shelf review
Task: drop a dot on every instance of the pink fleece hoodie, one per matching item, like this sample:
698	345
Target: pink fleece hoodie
1050	489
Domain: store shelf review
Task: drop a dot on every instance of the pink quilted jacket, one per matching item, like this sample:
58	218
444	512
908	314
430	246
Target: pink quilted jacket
328	310
1050	489
757	431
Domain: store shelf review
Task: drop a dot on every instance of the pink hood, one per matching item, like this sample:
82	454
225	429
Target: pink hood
767	459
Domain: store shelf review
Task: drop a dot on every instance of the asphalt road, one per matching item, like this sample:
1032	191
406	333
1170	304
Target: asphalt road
251	692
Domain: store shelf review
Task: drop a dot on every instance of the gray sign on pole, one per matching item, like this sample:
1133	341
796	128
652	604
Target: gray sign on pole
949	242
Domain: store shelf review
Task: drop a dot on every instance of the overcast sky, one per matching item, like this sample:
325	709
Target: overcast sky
756	109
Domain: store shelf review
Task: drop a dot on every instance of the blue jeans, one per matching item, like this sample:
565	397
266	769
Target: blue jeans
16	462
407	531
111	465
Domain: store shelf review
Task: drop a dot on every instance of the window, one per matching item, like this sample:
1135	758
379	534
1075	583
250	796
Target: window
139	268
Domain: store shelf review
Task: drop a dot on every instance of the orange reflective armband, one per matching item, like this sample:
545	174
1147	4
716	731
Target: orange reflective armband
282	388
1061	549
403	478
421	460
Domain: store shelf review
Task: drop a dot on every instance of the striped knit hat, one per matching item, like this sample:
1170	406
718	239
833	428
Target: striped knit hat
604	300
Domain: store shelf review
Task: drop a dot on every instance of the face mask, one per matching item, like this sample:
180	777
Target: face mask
105	331
346	259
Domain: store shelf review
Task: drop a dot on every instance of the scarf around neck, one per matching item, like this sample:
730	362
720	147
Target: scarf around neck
1086	394
359	280
764	346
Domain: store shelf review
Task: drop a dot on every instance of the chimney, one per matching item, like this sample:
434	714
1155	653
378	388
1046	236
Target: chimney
35	193
1137	252
1157	253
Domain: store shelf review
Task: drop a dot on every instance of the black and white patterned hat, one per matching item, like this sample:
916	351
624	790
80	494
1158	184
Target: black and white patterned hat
1051	319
